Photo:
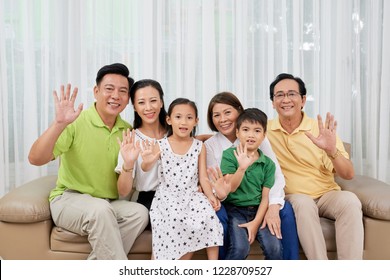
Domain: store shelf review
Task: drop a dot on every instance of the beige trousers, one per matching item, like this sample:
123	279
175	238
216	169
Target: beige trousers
111	226
343	207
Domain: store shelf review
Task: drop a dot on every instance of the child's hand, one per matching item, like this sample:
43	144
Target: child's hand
244	160
252	229
129	148
150	152
220	184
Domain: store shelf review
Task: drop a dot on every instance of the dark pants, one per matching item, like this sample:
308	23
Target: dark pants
223	218
290	239
146	198
239	247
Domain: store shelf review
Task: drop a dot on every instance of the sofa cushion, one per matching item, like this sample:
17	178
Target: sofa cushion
28	203
373	194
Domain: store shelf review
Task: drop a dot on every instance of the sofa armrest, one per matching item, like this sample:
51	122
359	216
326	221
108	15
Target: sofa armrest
28	203
373	194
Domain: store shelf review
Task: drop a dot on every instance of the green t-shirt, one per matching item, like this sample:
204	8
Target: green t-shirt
88	153
260	174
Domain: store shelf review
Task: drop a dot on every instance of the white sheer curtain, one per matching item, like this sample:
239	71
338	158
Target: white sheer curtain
195	49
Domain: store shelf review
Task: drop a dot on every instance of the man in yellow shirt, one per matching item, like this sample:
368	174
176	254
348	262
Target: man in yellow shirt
309	153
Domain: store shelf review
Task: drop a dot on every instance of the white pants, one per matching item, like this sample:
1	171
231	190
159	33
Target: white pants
111	226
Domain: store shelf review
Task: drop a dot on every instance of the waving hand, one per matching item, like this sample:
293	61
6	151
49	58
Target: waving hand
326	139
64	105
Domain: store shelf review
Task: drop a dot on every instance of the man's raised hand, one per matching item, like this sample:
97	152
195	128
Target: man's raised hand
64	105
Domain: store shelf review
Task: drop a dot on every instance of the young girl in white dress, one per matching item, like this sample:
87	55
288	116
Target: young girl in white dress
183	219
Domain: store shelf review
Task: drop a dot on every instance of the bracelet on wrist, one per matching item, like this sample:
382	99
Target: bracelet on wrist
126	170
338	153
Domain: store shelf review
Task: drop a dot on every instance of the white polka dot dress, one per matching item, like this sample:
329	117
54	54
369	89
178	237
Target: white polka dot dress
182	218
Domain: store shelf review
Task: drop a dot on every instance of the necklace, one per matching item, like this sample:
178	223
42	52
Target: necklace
144	137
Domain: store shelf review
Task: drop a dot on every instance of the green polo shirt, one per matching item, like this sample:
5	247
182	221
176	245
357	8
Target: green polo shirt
88	153
260	174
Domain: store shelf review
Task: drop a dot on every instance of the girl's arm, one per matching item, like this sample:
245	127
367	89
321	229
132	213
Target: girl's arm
150	154
204	183
253	226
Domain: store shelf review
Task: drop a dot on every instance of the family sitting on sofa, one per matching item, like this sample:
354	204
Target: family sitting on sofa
220	195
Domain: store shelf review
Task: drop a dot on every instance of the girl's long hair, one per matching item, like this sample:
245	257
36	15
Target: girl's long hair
142	84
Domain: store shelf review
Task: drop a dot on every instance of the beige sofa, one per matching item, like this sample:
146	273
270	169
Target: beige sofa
27	230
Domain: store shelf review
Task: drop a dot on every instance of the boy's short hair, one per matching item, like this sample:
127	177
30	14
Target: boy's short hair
253	115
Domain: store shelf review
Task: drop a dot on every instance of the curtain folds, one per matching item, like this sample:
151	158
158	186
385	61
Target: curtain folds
341	49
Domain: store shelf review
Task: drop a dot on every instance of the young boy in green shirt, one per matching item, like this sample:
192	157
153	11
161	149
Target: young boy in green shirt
252	176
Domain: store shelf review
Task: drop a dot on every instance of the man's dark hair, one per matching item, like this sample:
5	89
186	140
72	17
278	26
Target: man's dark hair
116	68
284	76
253	115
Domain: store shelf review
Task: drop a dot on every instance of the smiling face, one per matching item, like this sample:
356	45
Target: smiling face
112	97
183	120
252	134
224	118
288	107
148	104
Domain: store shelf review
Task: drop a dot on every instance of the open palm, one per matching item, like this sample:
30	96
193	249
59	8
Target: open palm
326	139
129	148
64	105
150	152
243	158
221	184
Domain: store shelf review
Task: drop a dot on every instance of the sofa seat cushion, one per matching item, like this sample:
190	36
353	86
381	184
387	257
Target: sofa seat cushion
65	241
328	229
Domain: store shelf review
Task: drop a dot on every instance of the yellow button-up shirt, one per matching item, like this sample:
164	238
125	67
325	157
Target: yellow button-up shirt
307	168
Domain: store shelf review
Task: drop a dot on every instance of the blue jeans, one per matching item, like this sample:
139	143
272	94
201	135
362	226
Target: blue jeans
290	239
239	247
223	218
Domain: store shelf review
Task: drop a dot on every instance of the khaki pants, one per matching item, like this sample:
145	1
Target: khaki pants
343	207
111	226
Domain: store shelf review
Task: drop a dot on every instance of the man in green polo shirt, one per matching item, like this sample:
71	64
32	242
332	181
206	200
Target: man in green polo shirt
85	200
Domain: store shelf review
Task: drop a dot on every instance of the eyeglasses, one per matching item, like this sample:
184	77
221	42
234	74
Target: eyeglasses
291	94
